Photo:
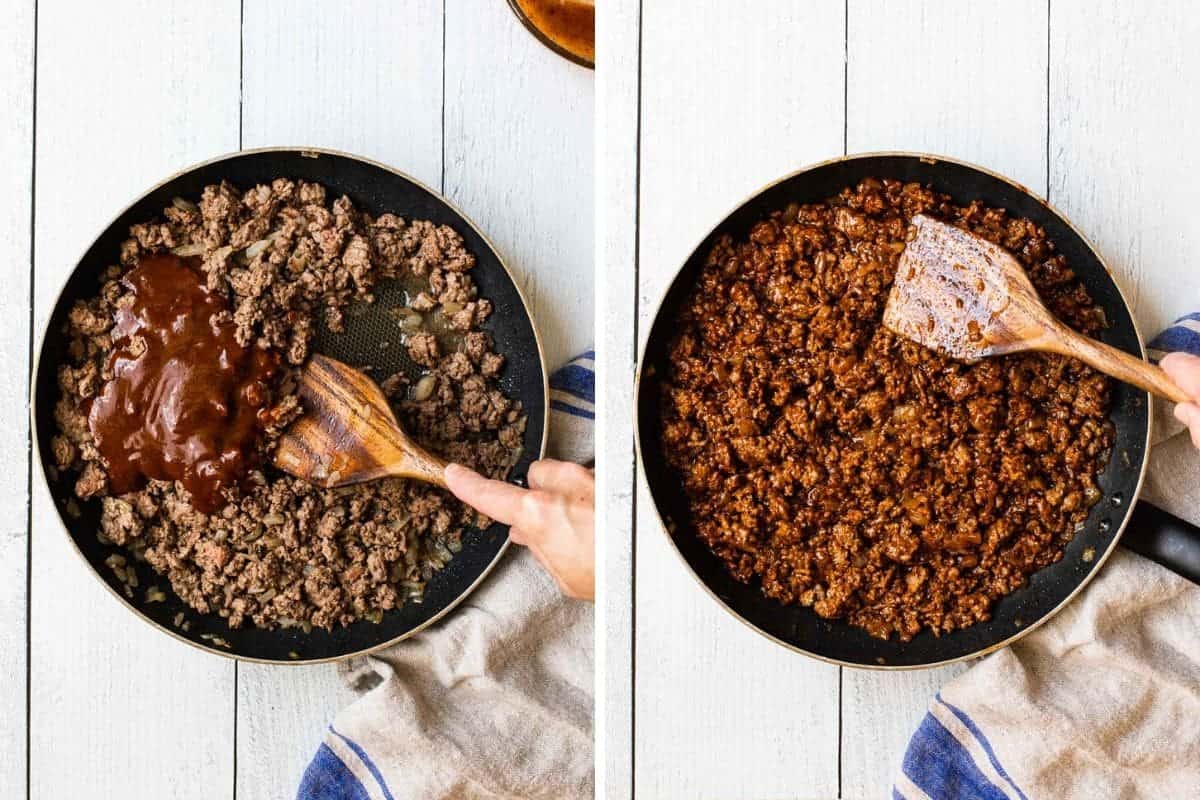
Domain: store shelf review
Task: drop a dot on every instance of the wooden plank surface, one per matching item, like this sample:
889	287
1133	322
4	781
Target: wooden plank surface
618	78
127	93
982	98
730	100
367	80
1123	113
977	91
518	161
16	153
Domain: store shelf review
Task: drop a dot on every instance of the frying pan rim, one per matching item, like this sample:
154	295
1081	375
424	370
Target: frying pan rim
44	330
931	159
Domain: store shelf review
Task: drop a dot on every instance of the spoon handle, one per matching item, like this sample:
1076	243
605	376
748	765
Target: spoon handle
418	464
1118	364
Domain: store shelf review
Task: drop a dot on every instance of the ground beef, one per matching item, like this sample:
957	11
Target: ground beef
282	552
858	473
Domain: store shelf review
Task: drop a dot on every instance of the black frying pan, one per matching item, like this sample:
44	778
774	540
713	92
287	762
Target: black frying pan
1049	589
377	189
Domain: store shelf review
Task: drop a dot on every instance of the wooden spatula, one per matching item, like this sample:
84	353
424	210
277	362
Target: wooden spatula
967	298
348	433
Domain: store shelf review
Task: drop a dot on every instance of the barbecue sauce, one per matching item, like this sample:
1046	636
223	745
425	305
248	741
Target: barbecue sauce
570	24
184	399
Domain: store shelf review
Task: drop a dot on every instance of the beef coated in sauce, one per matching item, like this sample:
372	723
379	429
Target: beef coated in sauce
849	470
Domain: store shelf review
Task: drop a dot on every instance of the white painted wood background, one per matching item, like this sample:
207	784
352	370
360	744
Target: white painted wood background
94	703
1092	101
700	103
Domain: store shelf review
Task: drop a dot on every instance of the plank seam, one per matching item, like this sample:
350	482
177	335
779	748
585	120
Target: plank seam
841	703
442	179
846	77
241	66
1047	100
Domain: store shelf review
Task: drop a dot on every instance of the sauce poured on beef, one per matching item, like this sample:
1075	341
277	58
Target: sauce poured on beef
184	399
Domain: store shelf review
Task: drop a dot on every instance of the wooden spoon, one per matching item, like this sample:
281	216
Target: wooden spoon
348	433
967	298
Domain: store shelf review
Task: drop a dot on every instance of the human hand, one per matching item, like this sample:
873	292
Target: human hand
1184	369
554	517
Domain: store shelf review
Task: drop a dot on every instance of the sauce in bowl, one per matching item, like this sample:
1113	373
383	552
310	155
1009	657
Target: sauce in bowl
569	26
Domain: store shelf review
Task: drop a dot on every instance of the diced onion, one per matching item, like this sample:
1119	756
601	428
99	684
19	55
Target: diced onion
257	249
188	250
424	388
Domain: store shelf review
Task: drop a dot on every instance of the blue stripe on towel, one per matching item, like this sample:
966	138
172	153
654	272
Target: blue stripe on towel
1194	316
367	762
575	380
1178	338
327	778
574	411
983	742
939	764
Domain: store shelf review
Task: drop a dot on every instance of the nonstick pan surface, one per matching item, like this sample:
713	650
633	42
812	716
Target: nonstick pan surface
374	188
1049	589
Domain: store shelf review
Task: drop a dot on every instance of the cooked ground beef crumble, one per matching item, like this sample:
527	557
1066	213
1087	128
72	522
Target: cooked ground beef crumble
282	552
859	473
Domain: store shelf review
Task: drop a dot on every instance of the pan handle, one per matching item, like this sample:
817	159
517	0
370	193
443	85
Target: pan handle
1165	539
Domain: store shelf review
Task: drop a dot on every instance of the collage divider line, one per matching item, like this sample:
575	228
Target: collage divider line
633	489
29	422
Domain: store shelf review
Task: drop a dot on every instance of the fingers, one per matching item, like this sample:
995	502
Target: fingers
531	510
561	477
1189	414
1184	369
497	499
553	518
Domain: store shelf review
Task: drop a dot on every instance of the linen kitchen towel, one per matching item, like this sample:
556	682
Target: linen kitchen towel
493	702
1104	700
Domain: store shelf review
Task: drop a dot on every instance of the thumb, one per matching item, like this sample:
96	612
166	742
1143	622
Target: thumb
1189	414
1184	369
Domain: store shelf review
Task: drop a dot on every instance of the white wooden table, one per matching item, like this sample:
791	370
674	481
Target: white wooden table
94	703
1091	102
